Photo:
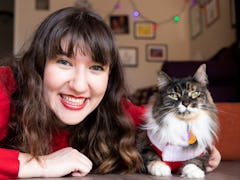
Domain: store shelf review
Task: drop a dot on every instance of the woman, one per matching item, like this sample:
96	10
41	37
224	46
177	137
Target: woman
62	108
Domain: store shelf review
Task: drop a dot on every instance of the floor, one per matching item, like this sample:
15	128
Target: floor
227	170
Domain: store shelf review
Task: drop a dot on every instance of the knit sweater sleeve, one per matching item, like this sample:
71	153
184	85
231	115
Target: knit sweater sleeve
9	164
135	112
7	86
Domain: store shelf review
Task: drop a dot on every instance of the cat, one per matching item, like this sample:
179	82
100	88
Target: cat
180	127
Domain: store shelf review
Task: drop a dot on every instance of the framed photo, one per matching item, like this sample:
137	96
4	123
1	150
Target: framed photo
195	21
202	3
233	13
119	24
144	30
129	56
42	4
156	52
212	12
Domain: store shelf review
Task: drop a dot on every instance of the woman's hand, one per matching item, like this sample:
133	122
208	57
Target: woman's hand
60	163
214	160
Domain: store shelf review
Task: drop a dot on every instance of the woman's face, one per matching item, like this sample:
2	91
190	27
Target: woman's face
74	87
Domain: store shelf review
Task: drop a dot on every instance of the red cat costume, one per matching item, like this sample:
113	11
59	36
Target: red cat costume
174	155
9	164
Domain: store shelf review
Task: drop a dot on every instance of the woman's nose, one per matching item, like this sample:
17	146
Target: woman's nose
79	81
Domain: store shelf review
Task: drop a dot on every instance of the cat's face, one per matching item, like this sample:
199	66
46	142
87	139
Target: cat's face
186	97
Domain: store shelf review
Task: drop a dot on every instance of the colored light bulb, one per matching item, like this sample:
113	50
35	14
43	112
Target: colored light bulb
136	13
176	18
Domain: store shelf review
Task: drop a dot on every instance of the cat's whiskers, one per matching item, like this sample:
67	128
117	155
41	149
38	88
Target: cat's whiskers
161	112
211	108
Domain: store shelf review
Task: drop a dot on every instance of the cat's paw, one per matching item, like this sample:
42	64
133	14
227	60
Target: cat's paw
159	168
192	171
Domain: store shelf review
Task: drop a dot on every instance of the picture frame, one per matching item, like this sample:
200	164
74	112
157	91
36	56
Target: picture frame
144	30
129	56
42	4
233	13
202	3
156	52
195	21
119	24
212	12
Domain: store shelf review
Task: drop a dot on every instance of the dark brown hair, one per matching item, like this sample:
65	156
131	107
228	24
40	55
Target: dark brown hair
106	136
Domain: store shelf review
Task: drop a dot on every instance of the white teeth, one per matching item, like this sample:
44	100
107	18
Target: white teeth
72	100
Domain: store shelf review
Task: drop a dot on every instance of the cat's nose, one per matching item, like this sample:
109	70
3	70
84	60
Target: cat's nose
185	103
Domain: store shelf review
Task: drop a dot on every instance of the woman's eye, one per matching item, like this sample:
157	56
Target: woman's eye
97	68
64	62
195	94
173	96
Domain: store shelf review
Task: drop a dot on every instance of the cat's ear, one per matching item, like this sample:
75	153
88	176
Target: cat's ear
201	75
162	79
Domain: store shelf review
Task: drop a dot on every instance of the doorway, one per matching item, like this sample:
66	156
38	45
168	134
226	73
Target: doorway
6	27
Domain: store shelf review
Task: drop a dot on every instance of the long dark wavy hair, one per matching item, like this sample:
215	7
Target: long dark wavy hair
106	136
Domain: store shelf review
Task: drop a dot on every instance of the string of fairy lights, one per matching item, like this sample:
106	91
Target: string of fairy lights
136	13
139	14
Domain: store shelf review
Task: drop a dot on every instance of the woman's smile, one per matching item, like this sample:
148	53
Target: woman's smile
72	102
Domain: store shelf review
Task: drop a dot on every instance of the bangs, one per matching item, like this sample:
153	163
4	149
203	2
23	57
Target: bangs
84	34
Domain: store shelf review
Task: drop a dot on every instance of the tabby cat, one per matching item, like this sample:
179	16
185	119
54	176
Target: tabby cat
181	126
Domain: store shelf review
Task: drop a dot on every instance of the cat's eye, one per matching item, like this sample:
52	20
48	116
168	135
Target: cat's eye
173	96
194	94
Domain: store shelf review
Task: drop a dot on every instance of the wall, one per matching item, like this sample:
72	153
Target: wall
175	35
218	35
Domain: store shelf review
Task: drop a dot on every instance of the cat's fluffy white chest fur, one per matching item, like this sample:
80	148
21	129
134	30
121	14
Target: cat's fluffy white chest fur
171	137
175	131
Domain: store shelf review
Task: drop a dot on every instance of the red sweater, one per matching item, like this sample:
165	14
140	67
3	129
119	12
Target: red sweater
9	164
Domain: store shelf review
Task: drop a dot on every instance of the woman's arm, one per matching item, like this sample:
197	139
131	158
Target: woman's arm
134	111
215	159
7	87
60	163
57	164
9	163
